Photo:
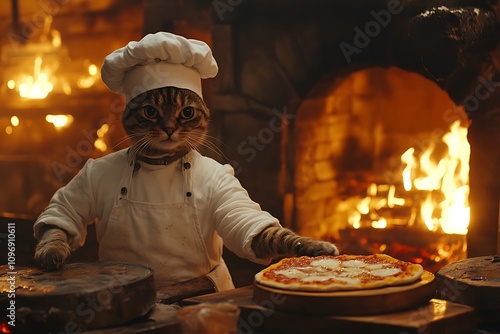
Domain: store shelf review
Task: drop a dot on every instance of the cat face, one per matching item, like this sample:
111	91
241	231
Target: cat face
165	121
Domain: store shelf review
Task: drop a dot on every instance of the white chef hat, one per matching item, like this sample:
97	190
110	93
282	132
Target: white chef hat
158	60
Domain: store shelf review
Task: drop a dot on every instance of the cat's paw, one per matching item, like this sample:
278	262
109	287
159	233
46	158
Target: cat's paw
53	249
311	247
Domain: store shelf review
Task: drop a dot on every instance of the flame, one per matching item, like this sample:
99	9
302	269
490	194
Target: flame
409	160
449	177
392	200
427	211
48	54
37	86
434	190
59	121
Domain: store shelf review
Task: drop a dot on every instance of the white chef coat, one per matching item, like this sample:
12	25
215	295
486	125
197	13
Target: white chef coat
173	218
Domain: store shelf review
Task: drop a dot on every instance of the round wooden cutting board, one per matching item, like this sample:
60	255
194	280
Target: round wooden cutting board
79	297
474	282
360	302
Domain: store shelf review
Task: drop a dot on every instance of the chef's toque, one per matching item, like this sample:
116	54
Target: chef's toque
158	60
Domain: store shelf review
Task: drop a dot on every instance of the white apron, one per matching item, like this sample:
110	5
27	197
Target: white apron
164	236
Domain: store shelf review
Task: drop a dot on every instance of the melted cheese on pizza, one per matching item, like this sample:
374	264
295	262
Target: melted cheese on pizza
343	272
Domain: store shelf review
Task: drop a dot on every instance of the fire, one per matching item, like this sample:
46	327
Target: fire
409	160
38	85
42	66
448	177
433	192
59	121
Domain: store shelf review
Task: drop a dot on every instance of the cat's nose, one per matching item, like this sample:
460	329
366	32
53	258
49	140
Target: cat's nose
169	131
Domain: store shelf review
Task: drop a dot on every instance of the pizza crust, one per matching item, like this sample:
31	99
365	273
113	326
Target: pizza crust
339	273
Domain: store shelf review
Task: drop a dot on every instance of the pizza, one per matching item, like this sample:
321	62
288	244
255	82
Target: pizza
337	273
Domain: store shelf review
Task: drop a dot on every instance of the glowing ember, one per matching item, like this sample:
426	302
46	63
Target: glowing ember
88	81
92	69
99	143
382	223
14	120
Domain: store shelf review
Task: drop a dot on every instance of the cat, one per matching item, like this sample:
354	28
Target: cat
164	126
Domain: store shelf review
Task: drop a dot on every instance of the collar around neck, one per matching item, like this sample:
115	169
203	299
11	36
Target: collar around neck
166	160
157	161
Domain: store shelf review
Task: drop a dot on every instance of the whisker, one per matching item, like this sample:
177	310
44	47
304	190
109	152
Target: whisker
196	144
120	141
140	145
216	148
190	144
212	138
212	147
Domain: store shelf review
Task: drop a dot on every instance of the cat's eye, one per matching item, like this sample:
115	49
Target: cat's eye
187	113
150	112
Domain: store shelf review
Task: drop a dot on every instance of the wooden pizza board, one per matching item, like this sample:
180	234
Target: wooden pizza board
79	297
356	302
474	282
435	317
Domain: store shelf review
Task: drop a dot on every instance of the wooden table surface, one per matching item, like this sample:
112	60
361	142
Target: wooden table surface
437	317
